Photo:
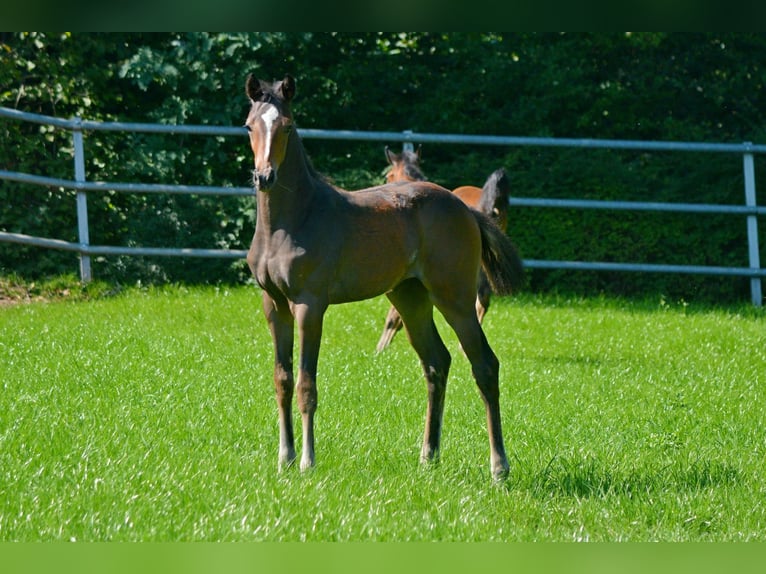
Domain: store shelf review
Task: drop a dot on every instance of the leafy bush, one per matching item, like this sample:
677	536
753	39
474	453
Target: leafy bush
691	87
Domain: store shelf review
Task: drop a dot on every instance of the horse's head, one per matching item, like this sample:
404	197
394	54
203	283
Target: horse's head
270	124
403	166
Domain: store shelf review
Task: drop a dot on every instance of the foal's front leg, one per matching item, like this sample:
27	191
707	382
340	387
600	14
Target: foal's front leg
309	317
281	323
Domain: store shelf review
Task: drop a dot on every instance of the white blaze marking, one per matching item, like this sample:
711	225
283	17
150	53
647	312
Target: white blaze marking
268	118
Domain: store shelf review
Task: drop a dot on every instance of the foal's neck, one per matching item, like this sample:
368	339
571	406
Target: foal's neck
288	202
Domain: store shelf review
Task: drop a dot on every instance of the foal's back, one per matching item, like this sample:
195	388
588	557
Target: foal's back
406	230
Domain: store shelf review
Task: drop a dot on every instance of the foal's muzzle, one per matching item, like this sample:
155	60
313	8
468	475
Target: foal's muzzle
264	180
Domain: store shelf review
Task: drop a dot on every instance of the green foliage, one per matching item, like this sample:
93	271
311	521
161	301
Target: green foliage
14	289
150	416
646	86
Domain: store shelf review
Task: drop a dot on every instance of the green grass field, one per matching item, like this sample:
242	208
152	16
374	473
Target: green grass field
150	416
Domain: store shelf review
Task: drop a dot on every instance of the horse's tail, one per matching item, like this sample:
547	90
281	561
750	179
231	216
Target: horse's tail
500	259
497	187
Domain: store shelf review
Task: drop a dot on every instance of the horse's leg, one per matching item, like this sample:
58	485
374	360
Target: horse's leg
485	368
391	327
413	303
309	317
482	297
281	326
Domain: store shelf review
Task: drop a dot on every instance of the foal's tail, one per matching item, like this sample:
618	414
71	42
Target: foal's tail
499	258
496	188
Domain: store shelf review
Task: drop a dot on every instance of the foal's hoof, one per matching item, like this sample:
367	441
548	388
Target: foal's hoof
285	461
500	472
429	457
500	475
307	464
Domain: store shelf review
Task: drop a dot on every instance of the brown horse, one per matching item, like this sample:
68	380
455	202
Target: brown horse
316	245
492	199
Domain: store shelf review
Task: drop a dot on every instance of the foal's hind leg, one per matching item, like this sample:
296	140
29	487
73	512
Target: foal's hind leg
413	303
485	368
280	322
392	326
483	296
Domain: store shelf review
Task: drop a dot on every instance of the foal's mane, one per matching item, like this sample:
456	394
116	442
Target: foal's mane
413	171
411	166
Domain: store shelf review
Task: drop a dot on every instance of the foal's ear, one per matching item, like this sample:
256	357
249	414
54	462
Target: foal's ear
287	88
390	156
253	88
417	152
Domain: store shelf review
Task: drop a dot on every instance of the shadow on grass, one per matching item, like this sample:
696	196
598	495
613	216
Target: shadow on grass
590	478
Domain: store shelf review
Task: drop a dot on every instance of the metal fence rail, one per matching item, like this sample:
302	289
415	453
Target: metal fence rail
750	210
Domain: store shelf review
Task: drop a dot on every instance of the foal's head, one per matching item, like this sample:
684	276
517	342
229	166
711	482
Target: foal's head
404	166
270	124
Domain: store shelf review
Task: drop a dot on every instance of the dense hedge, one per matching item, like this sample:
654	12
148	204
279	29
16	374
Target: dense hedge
650	86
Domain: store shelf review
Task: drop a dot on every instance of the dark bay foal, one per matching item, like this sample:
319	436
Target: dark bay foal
316	245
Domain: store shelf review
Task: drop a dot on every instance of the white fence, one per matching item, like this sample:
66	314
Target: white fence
749	210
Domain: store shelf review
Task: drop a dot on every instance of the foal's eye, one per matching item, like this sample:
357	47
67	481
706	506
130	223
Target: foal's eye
248	128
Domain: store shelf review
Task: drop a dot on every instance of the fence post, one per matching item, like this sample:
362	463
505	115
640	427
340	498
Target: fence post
407	145
752	228
82	201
